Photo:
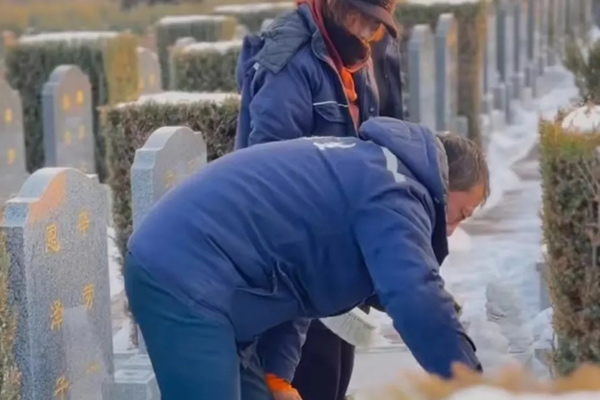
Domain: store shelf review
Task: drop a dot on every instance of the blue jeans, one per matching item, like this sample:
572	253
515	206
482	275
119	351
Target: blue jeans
194	357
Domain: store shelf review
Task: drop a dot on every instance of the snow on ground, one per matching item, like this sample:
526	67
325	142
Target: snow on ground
253	7
188	19
221	47
66	37
180	97
503	247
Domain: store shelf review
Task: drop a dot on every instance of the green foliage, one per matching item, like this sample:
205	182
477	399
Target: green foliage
471	21
571	195
110	64
253	18
207	70
584	62
10	377
127	128
203	28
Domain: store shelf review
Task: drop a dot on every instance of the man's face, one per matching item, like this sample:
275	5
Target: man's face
363	27
461	206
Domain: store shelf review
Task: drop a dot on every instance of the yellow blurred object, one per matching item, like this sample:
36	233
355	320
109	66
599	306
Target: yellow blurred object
514	380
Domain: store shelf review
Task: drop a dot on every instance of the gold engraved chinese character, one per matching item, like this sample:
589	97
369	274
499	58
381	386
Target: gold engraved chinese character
151	80
79	97
81	132
170	180
92	368
191	166
52	243
8	115
66	102
83	222
88	296
11	156
68	138
61	388
56	315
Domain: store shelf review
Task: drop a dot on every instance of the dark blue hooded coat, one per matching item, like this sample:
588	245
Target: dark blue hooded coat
267	237
290	87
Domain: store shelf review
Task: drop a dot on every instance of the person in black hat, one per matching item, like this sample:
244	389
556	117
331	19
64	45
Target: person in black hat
310	73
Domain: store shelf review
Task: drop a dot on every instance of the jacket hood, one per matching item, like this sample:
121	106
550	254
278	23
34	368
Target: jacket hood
416	147
286	35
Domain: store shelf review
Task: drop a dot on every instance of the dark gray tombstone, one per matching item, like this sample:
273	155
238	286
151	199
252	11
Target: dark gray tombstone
150	77
506	63
12	143
587	10
421	76
519	47
170	155
490	78
572	15
446	72
543	10
68	127
55	232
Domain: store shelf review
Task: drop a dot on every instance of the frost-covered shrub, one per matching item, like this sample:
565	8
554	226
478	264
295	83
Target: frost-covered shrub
570	169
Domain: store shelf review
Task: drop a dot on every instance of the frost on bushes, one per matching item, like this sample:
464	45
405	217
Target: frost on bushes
584	62
570	167
10	378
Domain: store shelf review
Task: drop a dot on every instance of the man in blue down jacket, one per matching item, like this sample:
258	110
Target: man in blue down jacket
229	267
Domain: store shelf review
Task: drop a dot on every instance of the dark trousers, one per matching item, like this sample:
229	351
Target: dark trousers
326	365
195	356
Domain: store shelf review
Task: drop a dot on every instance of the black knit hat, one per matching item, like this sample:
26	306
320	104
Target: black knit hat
381	10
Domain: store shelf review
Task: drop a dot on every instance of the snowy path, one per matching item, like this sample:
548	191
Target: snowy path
501	242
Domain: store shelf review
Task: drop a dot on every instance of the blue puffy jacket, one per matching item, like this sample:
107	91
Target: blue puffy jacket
290	87
270	236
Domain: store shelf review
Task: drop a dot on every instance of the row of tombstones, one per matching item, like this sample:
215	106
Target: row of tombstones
67	121
56	237
518	49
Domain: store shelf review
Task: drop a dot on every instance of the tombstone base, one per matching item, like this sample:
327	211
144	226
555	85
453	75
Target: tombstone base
551	58
531	79
541	63
541	268
486	124
518	83
527	102
487	103
461	125
500	97
133	380
498	119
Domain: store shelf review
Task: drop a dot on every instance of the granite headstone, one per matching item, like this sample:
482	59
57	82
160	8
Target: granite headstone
506	64
55	231
68	120
170	155
446	72
421	76
12	143
150	77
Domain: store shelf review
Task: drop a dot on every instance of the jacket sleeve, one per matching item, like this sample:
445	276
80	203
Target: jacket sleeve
281	106
280	348
394	234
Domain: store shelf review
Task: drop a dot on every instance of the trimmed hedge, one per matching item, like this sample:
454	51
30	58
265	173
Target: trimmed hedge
103	15
109	59
127	126
570	168
203	28
10	377
471	19
252	15
206	67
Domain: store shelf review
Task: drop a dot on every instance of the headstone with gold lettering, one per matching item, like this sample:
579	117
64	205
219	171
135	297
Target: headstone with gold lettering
67	119
150	78
170	155
55	231
12	143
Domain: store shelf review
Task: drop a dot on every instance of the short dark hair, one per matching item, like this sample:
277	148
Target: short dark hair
467	166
